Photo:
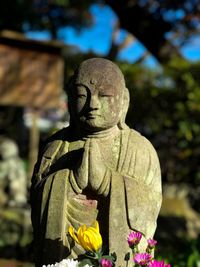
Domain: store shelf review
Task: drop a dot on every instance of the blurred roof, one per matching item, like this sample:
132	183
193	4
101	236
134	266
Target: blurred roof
31	72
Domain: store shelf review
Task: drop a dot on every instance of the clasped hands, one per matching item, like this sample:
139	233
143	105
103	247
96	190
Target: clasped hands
91	168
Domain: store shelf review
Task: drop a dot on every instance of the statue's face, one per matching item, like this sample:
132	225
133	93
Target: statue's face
96	95
96	107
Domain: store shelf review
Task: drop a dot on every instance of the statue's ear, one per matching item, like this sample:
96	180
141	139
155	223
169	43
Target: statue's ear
125	106
69	87
126	99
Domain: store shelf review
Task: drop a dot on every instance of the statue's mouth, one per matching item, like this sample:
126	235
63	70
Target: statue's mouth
92	116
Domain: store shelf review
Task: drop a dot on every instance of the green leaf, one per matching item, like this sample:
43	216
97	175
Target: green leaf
127	256
114	256
90	262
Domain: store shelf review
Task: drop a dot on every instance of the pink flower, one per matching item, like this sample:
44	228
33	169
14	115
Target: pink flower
134	238
151	243
156	263
105	263
142	259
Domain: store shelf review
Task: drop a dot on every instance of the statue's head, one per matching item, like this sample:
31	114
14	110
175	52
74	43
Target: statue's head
96	95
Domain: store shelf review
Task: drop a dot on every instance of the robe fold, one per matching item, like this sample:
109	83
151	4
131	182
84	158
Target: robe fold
134	197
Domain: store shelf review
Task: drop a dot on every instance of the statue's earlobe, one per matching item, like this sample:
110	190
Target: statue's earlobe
125	106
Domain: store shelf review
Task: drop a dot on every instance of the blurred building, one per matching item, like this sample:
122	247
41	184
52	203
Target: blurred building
32	101
31	72
32	77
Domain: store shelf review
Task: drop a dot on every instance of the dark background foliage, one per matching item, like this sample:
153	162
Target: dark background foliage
165	102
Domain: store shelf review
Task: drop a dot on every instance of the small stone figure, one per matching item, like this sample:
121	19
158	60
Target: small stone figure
13	181
96	169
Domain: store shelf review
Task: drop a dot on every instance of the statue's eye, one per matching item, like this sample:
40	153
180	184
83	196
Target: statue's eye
81	91
105	95
106	92
79	95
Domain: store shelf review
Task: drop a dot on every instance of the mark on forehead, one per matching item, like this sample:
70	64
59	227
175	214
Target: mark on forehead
117	96
93	81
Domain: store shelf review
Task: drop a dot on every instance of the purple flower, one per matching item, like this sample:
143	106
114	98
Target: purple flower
156	263
151	243
106	263
142	259
134	238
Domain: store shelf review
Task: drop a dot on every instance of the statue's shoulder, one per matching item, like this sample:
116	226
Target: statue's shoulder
61	135
55	141
136	137
140	143
52	148
141	159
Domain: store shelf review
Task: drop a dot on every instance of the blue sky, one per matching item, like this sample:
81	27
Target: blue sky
97	38
192	50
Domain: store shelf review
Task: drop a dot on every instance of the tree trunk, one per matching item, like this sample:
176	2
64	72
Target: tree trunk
146	27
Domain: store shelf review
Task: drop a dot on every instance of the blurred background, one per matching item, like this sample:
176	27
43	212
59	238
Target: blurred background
156	44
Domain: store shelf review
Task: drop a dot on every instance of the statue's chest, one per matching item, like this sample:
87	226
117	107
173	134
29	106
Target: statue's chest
110	150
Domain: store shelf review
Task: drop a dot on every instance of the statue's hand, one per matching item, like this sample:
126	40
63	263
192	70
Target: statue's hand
91	169
97	167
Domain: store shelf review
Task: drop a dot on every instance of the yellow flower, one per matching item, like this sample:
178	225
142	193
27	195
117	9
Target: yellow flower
88	237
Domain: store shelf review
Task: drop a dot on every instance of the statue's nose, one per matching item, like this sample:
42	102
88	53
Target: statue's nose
94	102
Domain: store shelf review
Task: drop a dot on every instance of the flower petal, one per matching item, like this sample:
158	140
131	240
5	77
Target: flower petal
73	234
96	226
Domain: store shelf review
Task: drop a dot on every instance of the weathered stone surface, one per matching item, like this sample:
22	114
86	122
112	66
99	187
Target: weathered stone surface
13	180
97	168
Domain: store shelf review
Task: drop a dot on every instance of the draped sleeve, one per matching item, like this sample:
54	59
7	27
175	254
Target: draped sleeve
47	199
140	169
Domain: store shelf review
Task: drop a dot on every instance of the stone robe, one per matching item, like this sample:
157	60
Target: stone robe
130	189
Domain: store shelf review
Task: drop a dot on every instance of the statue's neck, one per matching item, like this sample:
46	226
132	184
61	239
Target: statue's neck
104	133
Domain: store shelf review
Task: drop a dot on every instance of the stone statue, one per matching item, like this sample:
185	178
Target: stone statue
96	169
13	180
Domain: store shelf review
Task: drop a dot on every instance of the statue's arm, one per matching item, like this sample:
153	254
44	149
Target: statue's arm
140	161
40	166
142	178
40	174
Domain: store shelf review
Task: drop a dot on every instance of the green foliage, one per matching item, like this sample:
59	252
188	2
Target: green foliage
153	19
187	255
165	107
13	14
15	228
20	15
